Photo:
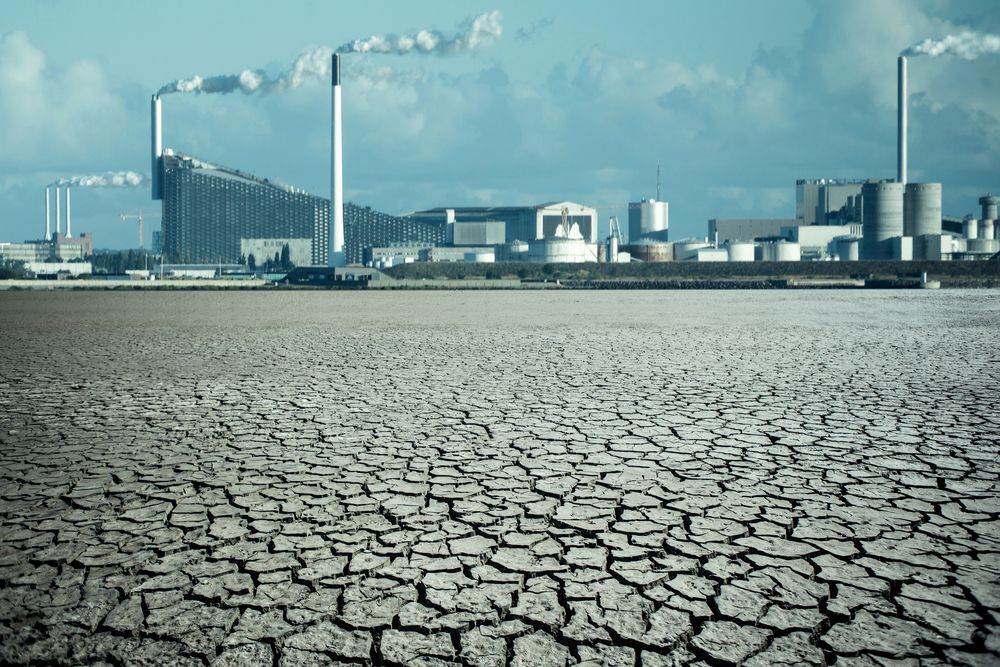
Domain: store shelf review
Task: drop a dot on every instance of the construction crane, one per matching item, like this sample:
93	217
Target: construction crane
138	216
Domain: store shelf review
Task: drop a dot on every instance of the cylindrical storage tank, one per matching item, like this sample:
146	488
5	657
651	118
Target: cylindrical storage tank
481	257
848	248
787	251
989	204
648	219
688	249
987	229
883	218
970	228
982	247
651	251
922	209
561	250
741	252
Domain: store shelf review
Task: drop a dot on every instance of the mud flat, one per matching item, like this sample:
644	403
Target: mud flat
500	478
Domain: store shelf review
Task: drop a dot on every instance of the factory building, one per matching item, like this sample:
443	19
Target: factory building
211	212
747	229
819	200
521	223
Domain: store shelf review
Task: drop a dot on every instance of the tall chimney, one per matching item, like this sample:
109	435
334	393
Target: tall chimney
336	252
156	124
48	223
901	139
69	224
58	215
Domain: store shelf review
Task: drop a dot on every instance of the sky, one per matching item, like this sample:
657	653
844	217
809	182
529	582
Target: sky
574	100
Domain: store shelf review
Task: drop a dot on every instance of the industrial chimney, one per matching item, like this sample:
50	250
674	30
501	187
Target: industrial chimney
901	138
69	224
48	223
58	214
335	256
157	146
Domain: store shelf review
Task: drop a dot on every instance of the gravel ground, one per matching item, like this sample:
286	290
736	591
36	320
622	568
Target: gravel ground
638	478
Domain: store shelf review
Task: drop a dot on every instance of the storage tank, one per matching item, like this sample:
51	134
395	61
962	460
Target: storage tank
561	250
688	249
741	252
989	204
970	228
883	217
648	219
651	251
481	257
982	247
848	248
922	209
787	251
987	229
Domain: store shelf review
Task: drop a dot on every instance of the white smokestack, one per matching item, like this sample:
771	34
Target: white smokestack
336	252
69	223
901	104
48	223
58	215
156	125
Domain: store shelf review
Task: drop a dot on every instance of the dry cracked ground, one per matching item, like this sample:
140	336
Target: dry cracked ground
641	478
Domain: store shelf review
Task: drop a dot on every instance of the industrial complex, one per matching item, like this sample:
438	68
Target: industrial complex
215	215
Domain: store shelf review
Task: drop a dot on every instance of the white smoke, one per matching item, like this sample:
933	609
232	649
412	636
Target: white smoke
110	179
967	45
476	32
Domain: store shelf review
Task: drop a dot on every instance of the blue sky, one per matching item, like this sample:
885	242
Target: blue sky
734	99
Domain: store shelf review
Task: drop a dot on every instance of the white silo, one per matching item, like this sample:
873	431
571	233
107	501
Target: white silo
648	219
741	251
922	209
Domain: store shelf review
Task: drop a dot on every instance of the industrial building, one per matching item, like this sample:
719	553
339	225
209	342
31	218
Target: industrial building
648	220
521	223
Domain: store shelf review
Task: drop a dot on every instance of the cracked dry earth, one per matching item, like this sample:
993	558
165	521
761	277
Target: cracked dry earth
638	478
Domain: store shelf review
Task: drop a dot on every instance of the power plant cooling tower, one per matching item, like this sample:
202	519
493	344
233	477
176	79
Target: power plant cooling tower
336	256
922	209
883	218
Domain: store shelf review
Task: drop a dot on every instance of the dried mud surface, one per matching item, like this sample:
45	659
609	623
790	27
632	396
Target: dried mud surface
647	478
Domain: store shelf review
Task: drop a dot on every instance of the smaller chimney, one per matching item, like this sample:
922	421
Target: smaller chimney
902	103
58	209
48	219
69	224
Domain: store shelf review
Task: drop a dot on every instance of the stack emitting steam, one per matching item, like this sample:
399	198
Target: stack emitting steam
322	62
109	179
317	63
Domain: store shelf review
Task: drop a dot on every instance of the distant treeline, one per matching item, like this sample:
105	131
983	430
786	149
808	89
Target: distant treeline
120	261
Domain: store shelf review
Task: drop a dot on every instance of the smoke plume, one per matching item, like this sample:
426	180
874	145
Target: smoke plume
110	179
967	45
316	63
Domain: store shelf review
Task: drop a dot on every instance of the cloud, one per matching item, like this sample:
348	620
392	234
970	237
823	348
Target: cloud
529	32
50	115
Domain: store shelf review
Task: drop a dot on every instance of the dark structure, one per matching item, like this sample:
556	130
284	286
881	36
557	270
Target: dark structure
207	209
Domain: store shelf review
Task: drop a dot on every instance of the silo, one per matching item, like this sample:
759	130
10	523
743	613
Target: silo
787	251
651	251
688	249
989	204
922	209
987	229
848	248
741	252
883	217
970	228
648	219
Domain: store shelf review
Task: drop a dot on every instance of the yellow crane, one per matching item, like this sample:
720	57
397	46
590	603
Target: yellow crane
138	216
